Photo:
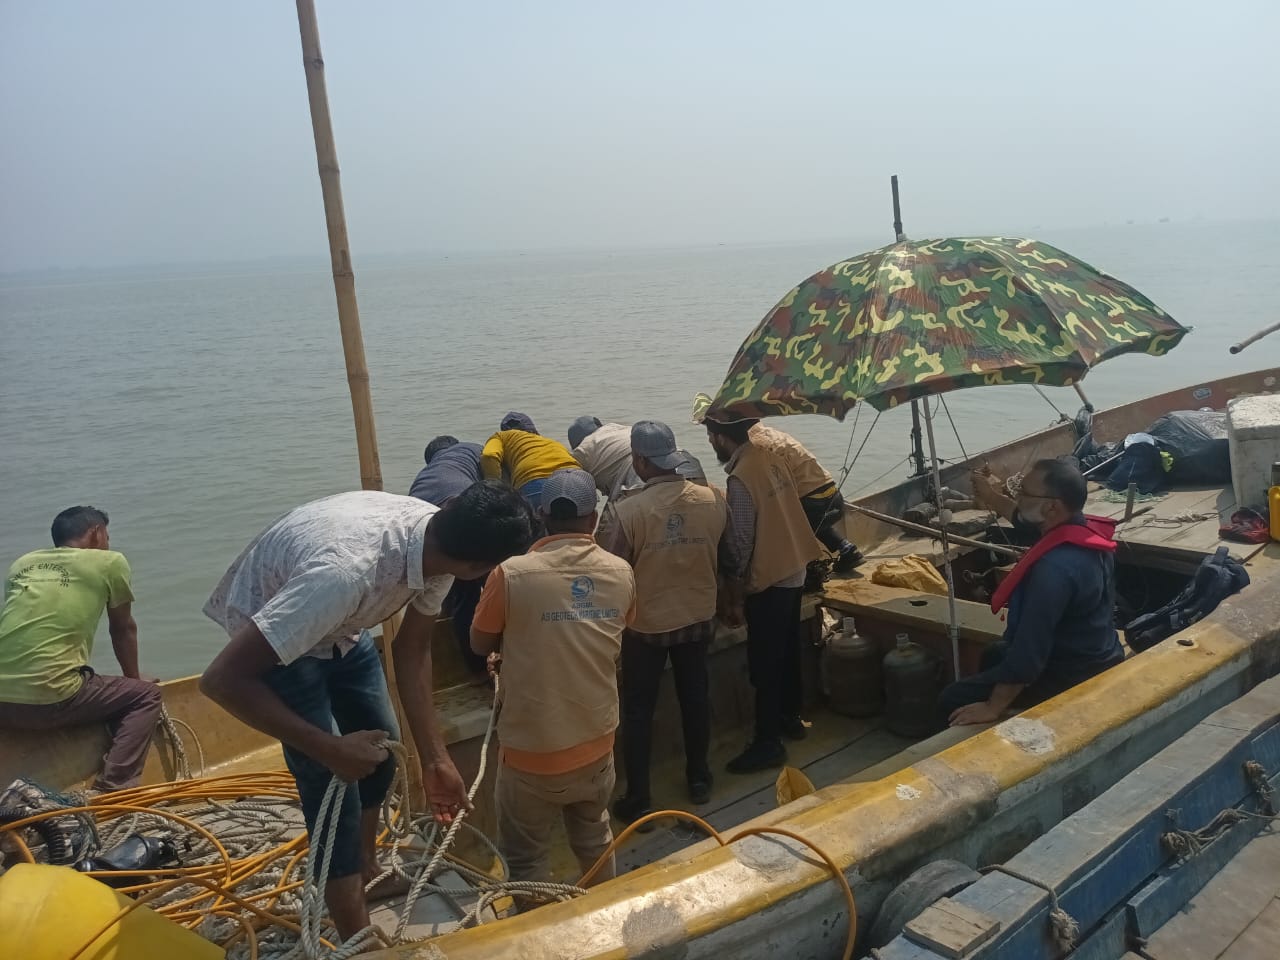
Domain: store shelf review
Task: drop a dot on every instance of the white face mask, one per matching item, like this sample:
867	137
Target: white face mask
1032	511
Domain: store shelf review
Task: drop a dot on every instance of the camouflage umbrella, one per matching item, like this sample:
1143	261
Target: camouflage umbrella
920	317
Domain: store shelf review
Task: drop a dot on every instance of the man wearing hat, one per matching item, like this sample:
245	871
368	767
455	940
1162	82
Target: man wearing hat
601	449
689	468
672	532
773	545
557	615
526	457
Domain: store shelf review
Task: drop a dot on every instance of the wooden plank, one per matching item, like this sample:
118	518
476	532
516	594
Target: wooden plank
836	748
1177	883
952	929
1197	537
911	608
1212	921
1107	942
1261	940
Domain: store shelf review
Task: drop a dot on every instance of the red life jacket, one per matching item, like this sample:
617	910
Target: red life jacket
1096	534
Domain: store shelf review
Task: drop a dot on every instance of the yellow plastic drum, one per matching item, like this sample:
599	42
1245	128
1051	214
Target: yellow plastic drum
48	913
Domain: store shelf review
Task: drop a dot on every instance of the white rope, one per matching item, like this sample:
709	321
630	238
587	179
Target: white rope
167	726
282	945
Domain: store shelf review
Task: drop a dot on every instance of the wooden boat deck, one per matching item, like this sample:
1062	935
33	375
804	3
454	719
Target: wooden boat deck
1235	917
1178	528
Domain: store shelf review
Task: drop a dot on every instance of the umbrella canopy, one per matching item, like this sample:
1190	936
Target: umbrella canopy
921	317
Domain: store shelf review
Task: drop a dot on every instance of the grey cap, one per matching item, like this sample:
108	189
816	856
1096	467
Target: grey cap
582	428
691	468
654	441
572	484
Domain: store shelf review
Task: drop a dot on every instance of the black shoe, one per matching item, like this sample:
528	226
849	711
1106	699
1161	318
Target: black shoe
848	559
700	789
759	755
629	809
793	728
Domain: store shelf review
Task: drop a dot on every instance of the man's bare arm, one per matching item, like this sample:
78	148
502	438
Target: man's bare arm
411	653
124	638
235	682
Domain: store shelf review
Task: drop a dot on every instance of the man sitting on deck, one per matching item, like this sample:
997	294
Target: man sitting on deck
450	467
301	666
556	615
1061	598
524	455
53	600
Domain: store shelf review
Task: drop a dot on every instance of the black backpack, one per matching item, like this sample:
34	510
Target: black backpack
1217	578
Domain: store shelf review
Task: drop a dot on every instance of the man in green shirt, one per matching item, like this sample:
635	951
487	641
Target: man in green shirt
53	600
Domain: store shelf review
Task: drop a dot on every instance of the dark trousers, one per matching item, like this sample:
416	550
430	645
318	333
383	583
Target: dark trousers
977	689
129	708
642	665
773	657
823	513
460	604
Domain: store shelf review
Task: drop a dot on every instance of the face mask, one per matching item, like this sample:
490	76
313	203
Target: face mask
1031	511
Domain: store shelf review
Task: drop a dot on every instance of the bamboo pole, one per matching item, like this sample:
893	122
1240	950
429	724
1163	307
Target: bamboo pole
344	288
936	534
1252	338
344	279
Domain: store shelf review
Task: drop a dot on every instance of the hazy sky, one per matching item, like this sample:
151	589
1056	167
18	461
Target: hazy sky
157	130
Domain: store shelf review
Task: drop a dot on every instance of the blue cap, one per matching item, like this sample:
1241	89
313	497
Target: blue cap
515	420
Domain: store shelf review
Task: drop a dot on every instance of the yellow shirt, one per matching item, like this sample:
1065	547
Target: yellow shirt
526	456
53	600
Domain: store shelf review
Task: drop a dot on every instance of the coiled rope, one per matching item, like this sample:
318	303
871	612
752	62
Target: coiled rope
249	881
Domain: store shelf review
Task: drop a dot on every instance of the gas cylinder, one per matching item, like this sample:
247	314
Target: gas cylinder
851	673
1273	501
911	679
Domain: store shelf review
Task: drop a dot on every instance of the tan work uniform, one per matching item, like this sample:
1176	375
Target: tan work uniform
561	609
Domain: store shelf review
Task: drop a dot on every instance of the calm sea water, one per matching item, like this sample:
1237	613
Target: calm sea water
195	406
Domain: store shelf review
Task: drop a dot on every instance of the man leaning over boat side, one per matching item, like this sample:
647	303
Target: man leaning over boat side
449	467
673	532
1060	596
298	604
555	616
773	546
601	449
53	600
524	455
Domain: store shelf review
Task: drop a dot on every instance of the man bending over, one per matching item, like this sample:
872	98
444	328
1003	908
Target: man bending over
301	666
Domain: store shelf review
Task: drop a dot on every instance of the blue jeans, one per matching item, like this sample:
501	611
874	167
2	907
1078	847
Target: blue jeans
532	492
341	695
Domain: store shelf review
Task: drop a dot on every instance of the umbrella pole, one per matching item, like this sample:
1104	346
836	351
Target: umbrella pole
917	449
953	623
